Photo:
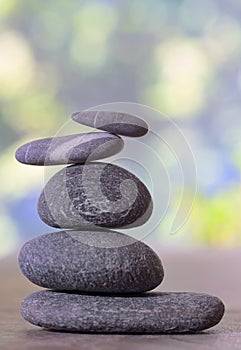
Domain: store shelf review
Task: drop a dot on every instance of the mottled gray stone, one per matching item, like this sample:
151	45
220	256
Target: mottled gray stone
147	313
95	194
103	262
115	122
71	149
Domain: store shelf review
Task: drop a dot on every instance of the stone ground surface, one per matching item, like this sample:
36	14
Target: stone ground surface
15	333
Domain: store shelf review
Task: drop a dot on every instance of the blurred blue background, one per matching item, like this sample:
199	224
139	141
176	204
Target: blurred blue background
181	57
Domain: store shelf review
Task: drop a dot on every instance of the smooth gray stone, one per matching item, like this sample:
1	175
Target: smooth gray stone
101	262
115	122
94	195
147	313
71	149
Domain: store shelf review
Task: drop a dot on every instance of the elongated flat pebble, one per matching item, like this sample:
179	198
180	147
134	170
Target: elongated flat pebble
103	262
94	194
143	314
71	149
115	122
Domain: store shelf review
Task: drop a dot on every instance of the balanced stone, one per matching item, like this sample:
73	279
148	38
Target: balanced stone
143	314
101	262
71	149
94	194
115	122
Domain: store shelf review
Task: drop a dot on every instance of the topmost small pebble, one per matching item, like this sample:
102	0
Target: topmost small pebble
113	122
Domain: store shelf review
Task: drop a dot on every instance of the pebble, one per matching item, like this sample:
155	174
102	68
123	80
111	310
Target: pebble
115	122
100	262
94	195
71	149
143	314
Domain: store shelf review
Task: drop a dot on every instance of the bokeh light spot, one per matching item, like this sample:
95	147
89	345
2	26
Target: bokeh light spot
92	28
183	74
7	7
16	63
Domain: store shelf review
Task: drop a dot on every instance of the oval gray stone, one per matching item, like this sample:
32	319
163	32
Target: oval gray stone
144	314
115	122
101	262
94	194
70	149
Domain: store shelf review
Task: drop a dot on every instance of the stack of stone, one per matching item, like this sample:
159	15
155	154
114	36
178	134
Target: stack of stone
97	278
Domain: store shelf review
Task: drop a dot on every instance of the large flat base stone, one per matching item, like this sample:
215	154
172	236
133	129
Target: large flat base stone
141	314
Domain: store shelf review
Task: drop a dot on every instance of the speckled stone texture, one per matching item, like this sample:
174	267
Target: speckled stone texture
104	261
148	313
115	122
95	194
71	149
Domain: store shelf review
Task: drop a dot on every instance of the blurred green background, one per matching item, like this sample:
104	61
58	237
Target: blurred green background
181	57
